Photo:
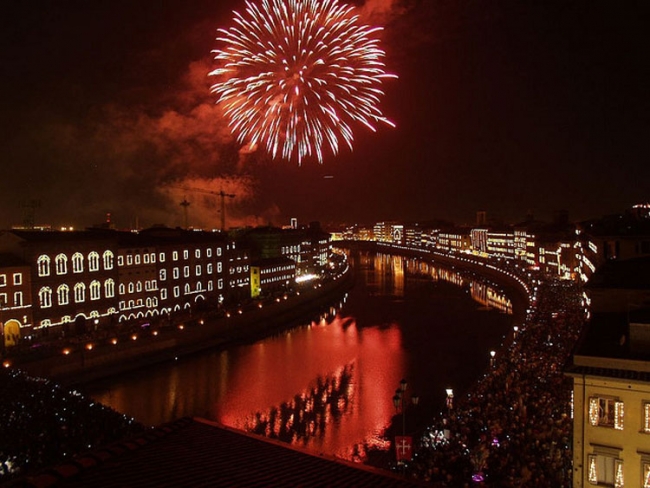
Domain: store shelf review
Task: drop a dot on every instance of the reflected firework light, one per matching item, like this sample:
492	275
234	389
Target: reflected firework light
295	76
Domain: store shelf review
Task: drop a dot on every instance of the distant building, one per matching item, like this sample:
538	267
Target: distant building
273	275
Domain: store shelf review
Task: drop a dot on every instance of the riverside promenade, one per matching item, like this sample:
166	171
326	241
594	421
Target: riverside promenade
108	352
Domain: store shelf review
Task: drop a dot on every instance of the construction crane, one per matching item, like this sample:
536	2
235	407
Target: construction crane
185	204
221	194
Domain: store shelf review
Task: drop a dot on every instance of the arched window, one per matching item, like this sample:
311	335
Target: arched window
122	289
138	286
109	288
109	258
45	297
63	294
187	288
198	286
61	262
131	287
93	261
148	302
79	292
77	263
95	290
43	265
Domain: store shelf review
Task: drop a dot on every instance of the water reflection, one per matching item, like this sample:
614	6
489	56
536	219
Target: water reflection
328	386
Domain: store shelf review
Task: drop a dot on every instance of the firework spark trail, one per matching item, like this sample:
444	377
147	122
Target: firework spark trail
296	74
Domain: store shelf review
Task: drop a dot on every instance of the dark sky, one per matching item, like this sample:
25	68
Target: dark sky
504	106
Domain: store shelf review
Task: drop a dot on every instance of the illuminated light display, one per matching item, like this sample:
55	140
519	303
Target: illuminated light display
646	417
295	75
619	480
619	412
593	411
593	474
646	475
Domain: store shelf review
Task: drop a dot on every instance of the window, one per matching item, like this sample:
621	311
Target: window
18	278
218	251
163	274
61	263
186	254
95	290
186	271
153	257
131	287
77	263
138	286
161	257
646	417
209	268
187	288
219	267
199	287
3	300
137	259
3	280
176	273
197	253
122	305
198	270
220	284
109	288
163	294
605	467
606	412
210	285
177	291
79	292
120	261
45	297
175	255
122	289
93	261
43	266
63	294
145	258
108	260
208	252
129	259
646	474
18	299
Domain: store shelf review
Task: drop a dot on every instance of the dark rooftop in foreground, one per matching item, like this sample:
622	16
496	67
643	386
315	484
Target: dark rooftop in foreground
197	453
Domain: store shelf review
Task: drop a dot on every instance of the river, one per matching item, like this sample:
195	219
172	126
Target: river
328	385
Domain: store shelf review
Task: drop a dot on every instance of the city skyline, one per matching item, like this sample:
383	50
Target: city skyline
507	107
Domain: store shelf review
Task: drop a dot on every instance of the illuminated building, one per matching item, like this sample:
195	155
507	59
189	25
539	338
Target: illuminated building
611	382
269	276
15	297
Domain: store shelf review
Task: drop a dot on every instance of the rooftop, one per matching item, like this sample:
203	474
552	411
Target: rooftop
199	453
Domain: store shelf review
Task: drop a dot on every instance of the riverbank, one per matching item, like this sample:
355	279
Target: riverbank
89	359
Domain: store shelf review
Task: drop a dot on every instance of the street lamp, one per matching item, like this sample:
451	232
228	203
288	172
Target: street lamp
492	354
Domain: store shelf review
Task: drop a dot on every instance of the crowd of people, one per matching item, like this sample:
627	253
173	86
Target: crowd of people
514	428
43	424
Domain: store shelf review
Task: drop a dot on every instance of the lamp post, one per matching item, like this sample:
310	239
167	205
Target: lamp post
492	354
403	447
450	399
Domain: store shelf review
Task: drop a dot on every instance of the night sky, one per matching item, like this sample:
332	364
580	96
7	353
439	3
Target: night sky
505	106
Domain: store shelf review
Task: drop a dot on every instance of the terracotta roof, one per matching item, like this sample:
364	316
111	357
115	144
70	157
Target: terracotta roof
198	453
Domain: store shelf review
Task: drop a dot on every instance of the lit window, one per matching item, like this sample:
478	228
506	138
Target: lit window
210	285
197	253
109	288
138	286
148	302
219	267
45	297
108	260
137	259
145	258
606	412
176	273
163	274
3	280
95	290
129	259
153	257
77	263
63	294
79	292
120	261
209	268
61	262
186	271
177	291
18	299
3	300
161	257
646	475
220	284
198	270
186	254
18	278
218	251
93	261
198	286
646	417
131	287
175	255
163	294
122	289
208	252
